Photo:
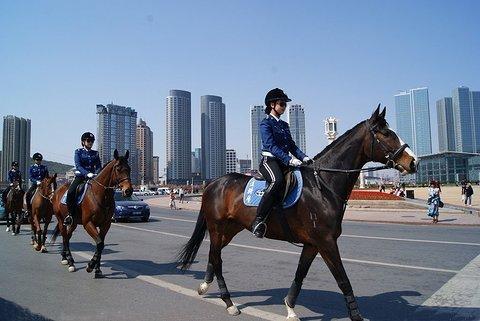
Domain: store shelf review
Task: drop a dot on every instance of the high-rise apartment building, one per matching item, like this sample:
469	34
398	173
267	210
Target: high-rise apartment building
178	136
145	152
197	161
231	161
116	129
257	114
466	111
446	125
296	121
245	165
213	137
156	169
413	119
16	146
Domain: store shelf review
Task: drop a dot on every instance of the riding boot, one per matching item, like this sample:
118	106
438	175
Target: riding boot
70	216
259	227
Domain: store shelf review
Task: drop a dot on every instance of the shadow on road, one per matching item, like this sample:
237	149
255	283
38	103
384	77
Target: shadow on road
14	312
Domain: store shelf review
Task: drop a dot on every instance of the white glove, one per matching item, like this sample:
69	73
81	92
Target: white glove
90	175
295	162
307	160
39	182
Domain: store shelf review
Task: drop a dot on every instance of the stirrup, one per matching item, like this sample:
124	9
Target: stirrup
257	230
68	220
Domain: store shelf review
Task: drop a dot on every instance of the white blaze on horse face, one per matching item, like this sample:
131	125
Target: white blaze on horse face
407	150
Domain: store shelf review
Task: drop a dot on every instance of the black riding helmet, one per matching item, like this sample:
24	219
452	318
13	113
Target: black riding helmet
274	95
88	135
15	163
37	156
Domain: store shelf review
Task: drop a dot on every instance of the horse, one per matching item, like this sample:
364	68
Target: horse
41	207
13	208
95	211
316	219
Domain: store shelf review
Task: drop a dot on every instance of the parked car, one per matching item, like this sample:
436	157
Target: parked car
130	207
163	190
2	212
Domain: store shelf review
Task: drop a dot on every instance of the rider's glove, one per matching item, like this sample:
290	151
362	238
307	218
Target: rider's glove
39	182
90	175
295	162
11	184
307	160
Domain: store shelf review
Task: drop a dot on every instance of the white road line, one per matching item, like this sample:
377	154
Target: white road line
355	236
296	253
460	296
187	292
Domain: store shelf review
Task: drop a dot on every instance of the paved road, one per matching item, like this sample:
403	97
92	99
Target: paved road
394	269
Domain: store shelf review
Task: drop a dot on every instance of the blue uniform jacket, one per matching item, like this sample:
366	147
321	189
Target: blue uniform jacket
276	139
14	175
38	172
86	161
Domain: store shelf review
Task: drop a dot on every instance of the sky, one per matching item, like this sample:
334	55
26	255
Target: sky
59	59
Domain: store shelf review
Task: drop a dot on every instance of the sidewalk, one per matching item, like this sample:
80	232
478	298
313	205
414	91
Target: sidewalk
379	215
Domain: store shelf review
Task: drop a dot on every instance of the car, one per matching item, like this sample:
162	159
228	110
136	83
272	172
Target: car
130	207
163	190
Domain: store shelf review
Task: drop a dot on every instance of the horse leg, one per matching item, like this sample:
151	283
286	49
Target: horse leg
70	260
103	232
215	257
38	231
92	231
331	256
309	253
44	236
32	232
17	222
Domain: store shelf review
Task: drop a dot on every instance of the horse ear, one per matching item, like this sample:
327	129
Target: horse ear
382	114
375	113
55	175
115	154
127	154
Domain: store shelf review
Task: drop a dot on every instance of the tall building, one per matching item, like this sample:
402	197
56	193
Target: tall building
475	103
145	152
231	161
156	169
116	129
257	114
296	121
466	111
245	165
446	125
178	136
213	136
16	146
197	161
413	119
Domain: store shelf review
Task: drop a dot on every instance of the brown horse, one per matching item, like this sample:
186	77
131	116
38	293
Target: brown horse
315	221
41	207
96	209
13	208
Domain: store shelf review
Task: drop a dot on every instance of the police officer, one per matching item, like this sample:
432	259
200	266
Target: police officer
87	165
14	175
277	143
38	172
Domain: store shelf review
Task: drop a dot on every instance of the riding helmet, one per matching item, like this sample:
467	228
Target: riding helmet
274	95
15	163
37	156
88	135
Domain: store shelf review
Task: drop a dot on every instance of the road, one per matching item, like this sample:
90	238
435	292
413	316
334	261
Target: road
395	270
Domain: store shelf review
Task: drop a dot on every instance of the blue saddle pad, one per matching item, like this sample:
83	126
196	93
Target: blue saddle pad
80	194
254	191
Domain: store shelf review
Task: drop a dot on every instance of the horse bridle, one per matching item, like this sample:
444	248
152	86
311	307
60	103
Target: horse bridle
391	157
110	182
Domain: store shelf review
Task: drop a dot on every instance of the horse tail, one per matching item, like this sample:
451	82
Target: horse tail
189	251
56	231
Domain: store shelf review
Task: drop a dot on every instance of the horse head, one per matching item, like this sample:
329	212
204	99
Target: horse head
121	173
386	147
49	184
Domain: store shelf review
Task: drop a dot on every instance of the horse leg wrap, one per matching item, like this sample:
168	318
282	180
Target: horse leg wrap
352	307
100	247
292	295
39	238
224	294
209	273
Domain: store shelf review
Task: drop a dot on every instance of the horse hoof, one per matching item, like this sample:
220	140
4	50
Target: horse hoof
295	318
89	269
44	249
233	310
37	248
13	233
203	288
98	275
8	229
64	262
71	268
32	243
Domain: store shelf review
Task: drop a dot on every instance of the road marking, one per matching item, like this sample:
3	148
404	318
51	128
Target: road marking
296	253
460	296
356	236
187	292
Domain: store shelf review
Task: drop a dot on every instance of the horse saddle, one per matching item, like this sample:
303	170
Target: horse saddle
79	194
256	187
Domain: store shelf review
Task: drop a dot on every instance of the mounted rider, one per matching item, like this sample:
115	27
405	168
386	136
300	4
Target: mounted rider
87	165
14	175
38	172
277	143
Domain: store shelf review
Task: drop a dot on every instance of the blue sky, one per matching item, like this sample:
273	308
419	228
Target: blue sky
59	59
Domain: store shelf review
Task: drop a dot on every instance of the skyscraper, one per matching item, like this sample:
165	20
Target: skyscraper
296	120
178	136
475	104
156	169
16	146
145	152
446	125
464	120
257	114
413	119
197	161
231	161
116	129
213	137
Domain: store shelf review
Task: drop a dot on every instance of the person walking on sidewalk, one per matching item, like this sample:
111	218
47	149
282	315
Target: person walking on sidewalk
468	194
173	206
433	201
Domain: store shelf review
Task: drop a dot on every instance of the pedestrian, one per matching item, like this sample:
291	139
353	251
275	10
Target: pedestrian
464	187
382	188
433	201
468	194
181	194
173	206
